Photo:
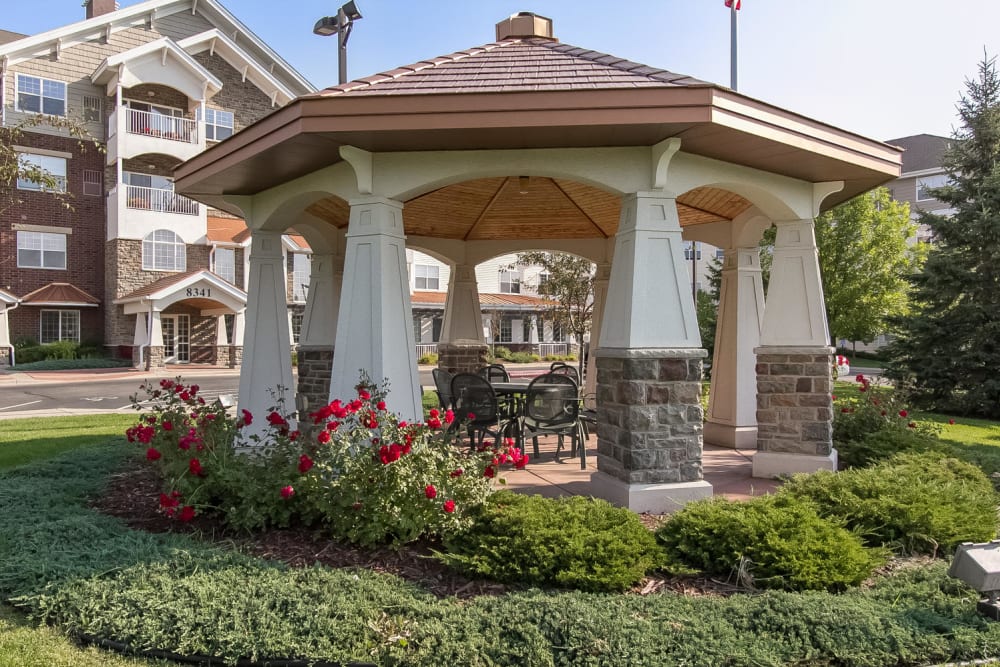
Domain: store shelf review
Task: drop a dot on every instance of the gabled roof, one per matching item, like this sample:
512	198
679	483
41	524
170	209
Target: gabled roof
59	294
6	36
486	300
923	151
515	65
171	284
108	69
227	230
138	14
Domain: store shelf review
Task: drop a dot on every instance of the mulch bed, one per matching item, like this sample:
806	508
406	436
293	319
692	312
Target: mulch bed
132	495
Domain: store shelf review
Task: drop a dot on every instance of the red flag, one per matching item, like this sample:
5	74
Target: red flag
729	3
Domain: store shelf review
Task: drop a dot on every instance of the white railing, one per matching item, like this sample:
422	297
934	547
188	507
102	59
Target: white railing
426	348
545	349
159	200
164	127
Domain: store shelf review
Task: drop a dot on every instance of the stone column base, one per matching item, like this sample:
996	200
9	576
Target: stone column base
235	356
652	498
315	367
734	437
4	357
779	464
794	400
462	357
155	358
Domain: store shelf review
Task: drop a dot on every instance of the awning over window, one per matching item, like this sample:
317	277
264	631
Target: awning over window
60	294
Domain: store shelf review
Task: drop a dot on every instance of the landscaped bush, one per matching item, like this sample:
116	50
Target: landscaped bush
573	542
72	364
884	444
766	542
501	352
522	357
912	503
428	359
356	469
878	409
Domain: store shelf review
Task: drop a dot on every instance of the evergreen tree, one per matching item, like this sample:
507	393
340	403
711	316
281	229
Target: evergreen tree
948	352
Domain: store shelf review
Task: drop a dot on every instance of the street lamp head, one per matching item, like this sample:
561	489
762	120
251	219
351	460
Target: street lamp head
331	25
326	26
351	11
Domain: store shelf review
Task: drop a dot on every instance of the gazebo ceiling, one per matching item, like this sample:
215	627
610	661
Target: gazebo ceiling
493	209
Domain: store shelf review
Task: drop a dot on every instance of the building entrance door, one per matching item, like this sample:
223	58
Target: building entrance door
176	338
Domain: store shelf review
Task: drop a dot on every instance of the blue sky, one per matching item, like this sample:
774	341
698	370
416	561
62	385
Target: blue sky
883	68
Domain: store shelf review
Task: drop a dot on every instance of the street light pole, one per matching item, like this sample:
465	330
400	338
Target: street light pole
339	25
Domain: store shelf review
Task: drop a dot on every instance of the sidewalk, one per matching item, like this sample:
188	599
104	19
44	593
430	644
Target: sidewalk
8	377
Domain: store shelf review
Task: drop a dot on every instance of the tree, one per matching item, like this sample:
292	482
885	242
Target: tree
948	352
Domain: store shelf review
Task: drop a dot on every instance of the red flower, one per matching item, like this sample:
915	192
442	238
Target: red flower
168	426
169	501
903	414
951	421
863	388
434	423
457	472
521	462
489	472
380	405
845	410
153	454
166	384
434	412
305	463
145	434
187	513
912	425
287	492
294	435
363	394
194	389
449	506
449	416
833	396
323	437
194	465
430	492
274	419
859	378
247	417
471	416
185	396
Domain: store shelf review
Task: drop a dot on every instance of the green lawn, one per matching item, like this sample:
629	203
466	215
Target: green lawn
26	440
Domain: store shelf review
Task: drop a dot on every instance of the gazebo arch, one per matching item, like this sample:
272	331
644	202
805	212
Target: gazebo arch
631	160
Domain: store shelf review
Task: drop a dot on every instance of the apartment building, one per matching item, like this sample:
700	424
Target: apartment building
922	171
149	274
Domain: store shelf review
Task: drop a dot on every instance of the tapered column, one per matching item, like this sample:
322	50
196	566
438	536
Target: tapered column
155	353
462	348
221	337
649	366
732	405
319	328
5	344
600	298
375	326
266	374
794	383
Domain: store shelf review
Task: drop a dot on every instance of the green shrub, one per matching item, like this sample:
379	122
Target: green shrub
428	359
884	444
768	542
72	364
64	349
573	542
522	357
874	410
501	352
912	503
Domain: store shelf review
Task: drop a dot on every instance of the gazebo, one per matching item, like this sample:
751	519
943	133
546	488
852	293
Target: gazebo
529	143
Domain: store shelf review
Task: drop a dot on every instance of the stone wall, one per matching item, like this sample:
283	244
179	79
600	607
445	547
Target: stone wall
649	420
4	357
461	358
794	400
315	366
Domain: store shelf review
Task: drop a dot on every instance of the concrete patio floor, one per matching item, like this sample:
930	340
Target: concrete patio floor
727	470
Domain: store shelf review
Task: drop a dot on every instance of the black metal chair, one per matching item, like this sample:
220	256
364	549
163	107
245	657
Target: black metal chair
563	368
474	395
495	373
552	407
442	384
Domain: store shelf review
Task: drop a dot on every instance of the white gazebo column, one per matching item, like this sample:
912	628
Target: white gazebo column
732	405
266	374
319	329
462	348
649	366
154	353
375	330
600	298
794	383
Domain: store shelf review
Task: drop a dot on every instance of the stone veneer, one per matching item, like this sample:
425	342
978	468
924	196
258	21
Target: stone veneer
4	357
461	358
315	366
794	400
649	420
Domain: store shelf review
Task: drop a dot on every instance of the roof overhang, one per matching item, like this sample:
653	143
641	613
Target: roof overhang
7	299
149	64
711	121
59	295
203	289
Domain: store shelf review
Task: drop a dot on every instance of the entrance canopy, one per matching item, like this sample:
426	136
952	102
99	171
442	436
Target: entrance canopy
200	289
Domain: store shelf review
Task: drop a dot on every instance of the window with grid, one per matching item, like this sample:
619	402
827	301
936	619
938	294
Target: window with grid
93	182
38	95
39	250
44	173
162	250
558	335
418	328
526	329
720	254
506	330
218	124
57	325
510	282
426	276
91	109
224	264
692	250
924	184
297	326
301	268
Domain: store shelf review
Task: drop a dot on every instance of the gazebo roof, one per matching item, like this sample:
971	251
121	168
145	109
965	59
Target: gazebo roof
532	93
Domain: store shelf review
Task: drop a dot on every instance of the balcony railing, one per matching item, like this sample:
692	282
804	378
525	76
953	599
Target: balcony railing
426	348
171	128
545	349
159	200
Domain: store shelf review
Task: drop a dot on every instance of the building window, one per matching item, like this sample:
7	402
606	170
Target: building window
720	254
93	182
297	327
506	330
218	124
418	329
60	325
224	264
91	109
927	182
689	249
38	95
526	329
426	277
558	336
301	268
41	173
436	324
163	250
510	282
38	250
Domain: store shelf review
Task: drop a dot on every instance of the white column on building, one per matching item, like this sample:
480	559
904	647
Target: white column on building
600	298
463	320
156	330
239	326
266	372
732	408
375	328
533	335
221	337
319	321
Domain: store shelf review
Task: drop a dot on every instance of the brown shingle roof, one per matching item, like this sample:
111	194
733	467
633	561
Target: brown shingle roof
923	151
500	300
156	286
8	36
515	65
227	230
59	294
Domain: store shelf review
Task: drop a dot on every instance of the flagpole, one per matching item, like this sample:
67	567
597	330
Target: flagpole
733	33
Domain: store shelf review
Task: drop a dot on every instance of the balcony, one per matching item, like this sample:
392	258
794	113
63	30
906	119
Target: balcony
157	125
159	200
132	132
